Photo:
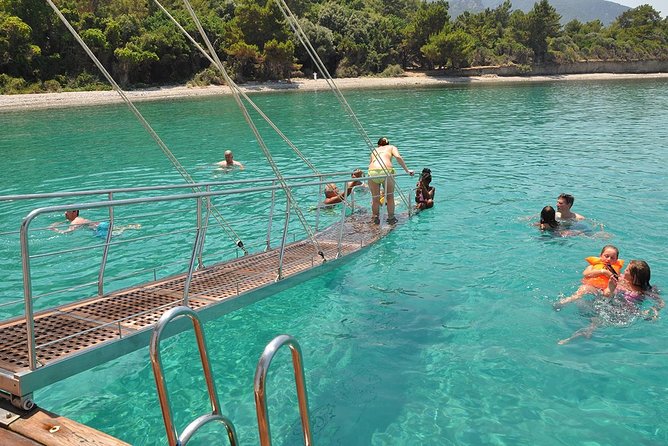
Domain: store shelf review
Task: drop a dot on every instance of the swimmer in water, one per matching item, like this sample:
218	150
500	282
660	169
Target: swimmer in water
229	162
622	300
100	228
597	275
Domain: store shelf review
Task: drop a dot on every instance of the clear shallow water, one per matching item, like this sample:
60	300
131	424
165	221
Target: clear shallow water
442	333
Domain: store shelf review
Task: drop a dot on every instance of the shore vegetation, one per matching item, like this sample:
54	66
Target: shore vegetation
141	47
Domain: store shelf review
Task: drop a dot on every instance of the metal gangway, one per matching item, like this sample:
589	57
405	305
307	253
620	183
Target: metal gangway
176	439
64	328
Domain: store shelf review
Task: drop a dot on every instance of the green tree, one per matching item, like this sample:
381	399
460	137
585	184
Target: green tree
16	50
279	59
543	22
428	20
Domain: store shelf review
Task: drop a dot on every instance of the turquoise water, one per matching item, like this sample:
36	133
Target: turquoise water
442	333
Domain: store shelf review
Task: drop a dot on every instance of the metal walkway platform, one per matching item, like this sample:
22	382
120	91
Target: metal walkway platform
72	338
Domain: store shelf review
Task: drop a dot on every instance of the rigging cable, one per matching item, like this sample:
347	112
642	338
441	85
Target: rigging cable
245	96
301	35
175	162
235	93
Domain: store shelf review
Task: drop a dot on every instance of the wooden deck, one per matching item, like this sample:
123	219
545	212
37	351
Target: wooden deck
75	337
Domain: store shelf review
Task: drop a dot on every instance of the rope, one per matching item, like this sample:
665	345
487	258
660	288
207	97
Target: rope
245	96
301	35
235	93
184	173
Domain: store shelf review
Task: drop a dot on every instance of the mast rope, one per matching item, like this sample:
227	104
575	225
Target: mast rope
245	96
303	38
235	93
175	162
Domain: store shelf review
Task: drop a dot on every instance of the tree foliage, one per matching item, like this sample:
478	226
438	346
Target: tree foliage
139	45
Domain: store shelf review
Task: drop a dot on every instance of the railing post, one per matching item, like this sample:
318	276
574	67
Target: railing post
193	256
344	206
317	203
27	293
271	215
105	252
200	262
285	235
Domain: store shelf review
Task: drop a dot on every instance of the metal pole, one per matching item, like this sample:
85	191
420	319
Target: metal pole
271	215
27	293
105	252
285	235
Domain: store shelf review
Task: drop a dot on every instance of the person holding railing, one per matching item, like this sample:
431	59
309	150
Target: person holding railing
424	191
381	164
334	196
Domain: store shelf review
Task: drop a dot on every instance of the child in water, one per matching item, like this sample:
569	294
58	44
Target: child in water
623	298
424	192
597	275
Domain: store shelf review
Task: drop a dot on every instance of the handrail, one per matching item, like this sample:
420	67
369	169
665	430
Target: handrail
105	253
156	362
260	387
159	188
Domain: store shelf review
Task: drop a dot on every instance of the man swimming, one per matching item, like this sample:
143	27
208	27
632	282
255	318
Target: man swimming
381	164
564	204
229	162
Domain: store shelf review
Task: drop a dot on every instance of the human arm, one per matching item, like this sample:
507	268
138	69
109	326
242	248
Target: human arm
591	272
612	285
239	165
652	313
401	161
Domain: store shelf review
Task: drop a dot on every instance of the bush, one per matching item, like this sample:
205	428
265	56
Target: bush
206	77
52	86
393	70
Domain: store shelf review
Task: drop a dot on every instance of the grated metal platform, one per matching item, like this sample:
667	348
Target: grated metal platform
75	337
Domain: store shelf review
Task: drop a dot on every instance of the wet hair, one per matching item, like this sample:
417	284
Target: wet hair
383	141
548	216
568	197
611	247
228	152
357	173
640	274
425	176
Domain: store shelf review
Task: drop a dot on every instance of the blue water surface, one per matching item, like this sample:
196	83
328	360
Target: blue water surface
443	333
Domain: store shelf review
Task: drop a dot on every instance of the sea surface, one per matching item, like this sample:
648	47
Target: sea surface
444	332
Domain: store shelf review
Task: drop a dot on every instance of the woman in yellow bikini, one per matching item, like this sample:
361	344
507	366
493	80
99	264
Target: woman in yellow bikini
381	164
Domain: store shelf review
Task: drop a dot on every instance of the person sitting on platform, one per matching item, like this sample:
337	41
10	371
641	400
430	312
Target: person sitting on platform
424	192
229	162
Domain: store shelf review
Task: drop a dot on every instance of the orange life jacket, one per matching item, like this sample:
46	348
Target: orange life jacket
601	282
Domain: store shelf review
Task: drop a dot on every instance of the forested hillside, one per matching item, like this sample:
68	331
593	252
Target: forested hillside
140	46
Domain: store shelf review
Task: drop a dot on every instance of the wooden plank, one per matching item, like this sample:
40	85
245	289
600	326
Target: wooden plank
9	438
49	429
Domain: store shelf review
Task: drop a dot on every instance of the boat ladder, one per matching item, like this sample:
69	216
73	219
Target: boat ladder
176	439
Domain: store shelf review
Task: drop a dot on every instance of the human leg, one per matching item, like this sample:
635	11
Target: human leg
389	197
586	332
375	199
584	289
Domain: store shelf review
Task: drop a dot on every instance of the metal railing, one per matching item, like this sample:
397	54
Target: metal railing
173	437
260	384
202	200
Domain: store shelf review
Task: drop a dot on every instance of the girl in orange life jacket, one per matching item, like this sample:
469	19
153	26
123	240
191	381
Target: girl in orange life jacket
597	275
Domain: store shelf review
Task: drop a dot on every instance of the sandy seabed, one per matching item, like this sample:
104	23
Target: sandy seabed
85	98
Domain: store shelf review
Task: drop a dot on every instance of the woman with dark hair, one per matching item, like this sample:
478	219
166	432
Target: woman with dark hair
548	219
